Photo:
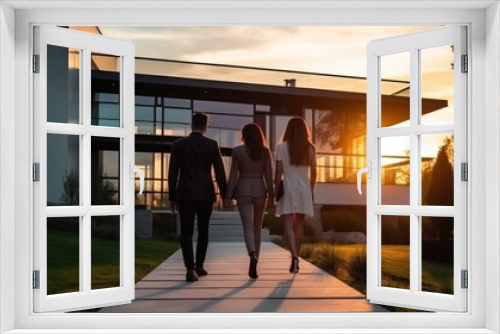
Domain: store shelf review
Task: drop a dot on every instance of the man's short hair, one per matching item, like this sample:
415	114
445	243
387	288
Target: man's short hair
200	121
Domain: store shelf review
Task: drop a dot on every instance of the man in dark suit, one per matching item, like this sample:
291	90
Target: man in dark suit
192	192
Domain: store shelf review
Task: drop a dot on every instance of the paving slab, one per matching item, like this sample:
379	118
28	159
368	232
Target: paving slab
227	287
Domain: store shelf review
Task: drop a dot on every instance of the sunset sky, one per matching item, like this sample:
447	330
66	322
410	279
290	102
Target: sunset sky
329	50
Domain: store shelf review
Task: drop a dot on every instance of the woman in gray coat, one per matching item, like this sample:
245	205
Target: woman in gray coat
251	184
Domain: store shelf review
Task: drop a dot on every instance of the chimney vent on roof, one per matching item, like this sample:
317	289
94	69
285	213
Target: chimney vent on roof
290	82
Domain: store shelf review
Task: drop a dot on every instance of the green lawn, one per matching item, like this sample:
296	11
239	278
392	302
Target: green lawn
436	276
63	260
396	266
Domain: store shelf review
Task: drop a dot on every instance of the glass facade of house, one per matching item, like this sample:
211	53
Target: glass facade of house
164	106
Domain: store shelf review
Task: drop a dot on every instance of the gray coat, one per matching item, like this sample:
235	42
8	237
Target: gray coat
250	178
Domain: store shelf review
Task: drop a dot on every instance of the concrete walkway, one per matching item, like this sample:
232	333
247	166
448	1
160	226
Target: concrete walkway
227	288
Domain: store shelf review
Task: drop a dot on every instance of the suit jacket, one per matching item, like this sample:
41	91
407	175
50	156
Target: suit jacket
250	178
190	169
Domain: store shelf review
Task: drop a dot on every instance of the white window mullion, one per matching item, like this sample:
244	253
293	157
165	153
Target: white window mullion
87	255
392	132
122	250
108	210
373	183
434	211
392	210
107	131
85	246
82	257
66	129
460	156
127	144
434	129
414	168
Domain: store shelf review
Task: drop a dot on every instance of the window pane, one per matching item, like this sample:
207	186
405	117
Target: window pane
105	165
395	89
437	254
395	170
173	115
63	85
228	122
437	84
262	108
216	107
107	97
157	171
177	103
63	255
105	248
144	113
105	77
63	170
144	128
106	122
105	111
144	161
176	130
437	169
158	116
229	138
395	245
279	128
145	100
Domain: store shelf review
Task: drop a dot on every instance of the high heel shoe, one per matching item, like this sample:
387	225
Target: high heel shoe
252	269
294	266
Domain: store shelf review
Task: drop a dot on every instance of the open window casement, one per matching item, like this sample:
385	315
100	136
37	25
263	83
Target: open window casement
425	222
78	201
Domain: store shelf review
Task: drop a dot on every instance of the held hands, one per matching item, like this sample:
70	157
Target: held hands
228	203
173	206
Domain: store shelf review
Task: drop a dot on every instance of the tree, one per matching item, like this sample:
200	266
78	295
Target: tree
440	188
340	131
71	188
102	193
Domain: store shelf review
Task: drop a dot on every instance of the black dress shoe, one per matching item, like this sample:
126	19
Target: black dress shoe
201	271
191	276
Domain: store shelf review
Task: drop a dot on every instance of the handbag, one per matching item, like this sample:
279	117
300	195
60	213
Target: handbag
280	191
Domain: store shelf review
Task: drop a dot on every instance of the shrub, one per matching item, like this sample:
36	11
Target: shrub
306	251
343	220
107	227
394	282
446	287
356	266
327	257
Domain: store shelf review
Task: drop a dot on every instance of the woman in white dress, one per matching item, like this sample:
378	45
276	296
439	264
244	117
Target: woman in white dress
296	165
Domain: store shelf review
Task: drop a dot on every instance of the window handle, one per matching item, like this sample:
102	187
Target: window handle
368	171
139	171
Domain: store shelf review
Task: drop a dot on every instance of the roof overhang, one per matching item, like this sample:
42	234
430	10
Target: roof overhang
283	100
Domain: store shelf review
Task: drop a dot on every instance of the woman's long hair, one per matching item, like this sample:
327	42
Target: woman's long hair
254	141
298	138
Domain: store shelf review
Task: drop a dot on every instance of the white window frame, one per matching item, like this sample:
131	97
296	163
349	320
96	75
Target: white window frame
484	50
414	297
86	43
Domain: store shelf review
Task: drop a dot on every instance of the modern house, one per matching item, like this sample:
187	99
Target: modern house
169	91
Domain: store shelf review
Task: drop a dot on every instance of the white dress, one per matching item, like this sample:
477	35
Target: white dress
297	196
